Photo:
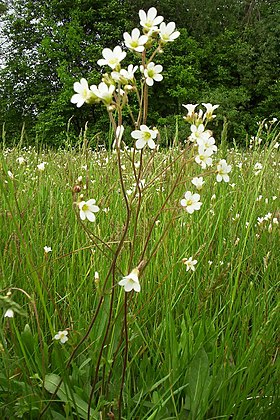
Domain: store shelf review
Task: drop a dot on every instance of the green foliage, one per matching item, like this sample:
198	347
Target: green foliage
228	52
202	344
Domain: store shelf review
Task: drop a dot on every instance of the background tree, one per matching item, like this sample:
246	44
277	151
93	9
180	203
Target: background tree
228	53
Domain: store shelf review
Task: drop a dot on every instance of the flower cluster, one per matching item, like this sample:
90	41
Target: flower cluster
118	82
203	139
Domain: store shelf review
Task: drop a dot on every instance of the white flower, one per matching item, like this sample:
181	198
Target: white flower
144	136
150	20
9	313
131	281
83	93
203	158
198	132
191	109
20	160
10	174
209	110
268	216
208	143
112	58
61	336
103	92
41	166
258	167
152	73
191	202
129	73
167	32
222	171
135	41
119	134
47	249
198	182
189	263
87	210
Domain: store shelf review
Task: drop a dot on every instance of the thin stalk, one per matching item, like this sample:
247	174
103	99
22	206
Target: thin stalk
159	212
125	356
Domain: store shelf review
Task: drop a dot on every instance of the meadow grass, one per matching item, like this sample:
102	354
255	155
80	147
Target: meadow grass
200	344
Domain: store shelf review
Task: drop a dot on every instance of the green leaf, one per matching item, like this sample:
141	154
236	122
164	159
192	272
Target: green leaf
51	383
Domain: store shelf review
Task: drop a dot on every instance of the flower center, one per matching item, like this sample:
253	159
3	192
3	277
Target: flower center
151	73
146	136
113	61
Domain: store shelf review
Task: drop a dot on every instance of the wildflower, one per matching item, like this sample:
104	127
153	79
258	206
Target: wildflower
83	94
209	111
222	171
189	263
20	160
197	132
203	158
119	134
103	92
150	20
167	32
135	41
129	73
191	202
87	210
61	336
96	276
236	241
9	313
275	221
41	166
112	58
276	145
191	110
10	174
47	249
131	281
198	182
144	136
257	168
208	143
152	73
237	216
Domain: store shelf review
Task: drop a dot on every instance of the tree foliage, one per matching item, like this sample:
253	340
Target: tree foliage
228	53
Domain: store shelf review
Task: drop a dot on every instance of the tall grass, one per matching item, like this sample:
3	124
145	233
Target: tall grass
201	345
